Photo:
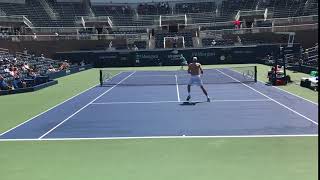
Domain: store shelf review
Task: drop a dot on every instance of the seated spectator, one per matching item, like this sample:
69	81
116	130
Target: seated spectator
25	66
18	82
3	84
65	65
51	69
13	71
6	69
31	74
82	63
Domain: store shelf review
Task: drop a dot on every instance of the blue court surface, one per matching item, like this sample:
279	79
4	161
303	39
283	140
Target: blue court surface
143	110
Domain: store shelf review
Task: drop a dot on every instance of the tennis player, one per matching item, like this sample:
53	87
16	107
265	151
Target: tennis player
194	69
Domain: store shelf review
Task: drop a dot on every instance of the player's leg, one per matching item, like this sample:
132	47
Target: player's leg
189	89
204	91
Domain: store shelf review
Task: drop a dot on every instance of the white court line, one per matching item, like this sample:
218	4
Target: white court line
160	102
295	95
164	137
270	98
50	108
85	106
178	95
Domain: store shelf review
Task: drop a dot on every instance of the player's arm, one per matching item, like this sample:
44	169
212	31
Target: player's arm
201	70
189	69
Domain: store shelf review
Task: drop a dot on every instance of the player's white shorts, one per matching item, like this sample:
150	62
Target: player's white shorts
195	80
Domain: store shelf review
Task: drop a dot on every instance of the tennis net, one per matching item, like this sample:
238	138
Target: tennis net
109	77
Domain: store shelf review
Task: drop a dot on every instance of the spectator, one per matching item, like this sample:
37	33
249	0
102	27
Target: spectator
51	69
25	66
6	69
135	48
3	84
82	63
18	82
237	24
110	45
213	42
31	74
65	65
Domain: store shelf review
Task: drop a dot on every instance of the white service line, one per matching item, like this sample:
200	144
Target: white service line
177	85
160	102
85	106
51	108
270	98
164	137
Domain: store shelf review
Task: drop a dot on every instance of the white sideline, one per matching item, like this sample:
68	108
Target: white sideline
85	106
270	98
295	95
177	85
163	137
159	102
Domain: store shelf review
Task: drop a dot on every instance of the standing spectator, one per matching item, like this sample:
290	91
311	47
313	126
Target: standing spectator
237	24
135	48
213	42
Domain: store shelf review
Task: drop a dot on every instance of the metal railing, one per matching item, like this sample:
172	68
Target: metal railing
296	20
141	37
290	28
16	18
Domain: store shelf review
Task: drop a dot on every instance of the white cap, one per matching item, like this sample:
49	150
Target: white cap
194	58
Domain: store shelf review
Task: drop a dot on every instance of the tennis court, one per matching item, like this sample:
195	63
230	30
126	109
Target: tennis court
150	104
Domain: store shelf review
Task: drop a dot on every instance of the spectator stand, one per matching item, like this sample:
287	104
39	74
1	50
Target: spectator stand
35	72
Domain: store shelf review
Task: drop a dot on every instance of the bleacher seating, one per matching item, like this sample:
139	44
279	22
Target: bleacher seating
40	65
67	12
140	44
198	7
33	10
125	15
154	8
311	56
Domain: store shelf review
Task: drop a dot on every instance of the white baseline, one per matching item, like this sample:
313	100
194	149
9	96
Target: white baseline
165	137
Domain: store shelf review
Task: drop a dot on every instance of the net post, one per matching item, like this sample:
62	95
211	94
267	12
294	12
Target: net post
100	77
255	74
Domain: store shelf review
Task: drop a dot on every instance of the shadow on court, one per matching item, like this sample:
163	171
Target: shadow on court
191	103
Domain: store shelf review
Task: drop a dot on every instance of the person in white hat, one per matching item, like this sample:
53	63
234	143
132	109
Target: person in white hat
196	71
